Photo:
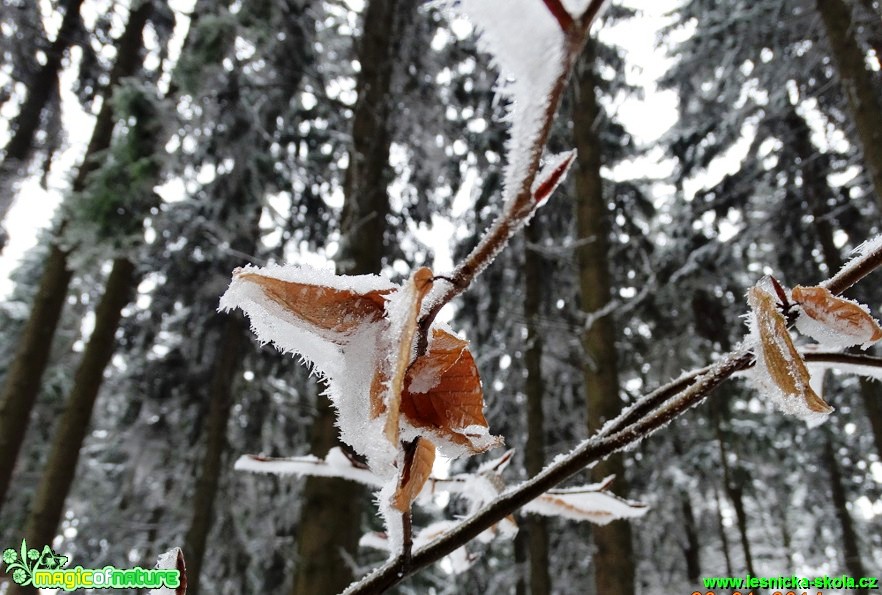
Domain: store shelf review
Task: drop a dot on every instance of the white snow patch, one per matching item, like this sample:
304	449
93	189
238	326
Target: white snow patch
167	561
527	45
335	464
869	246
577	8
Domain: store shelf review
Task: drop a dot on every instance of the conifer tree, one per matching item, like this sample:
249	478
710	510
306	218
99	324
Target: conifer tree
330	520
42	89
22	381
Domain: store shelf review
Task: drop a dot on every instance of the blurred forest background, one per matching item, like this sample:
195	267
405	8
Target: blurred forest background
179	140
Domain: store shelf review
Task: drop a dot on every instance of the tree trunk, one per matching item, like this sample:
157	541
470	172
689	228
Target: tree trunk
25	125
857	84
330	520
60	469
223	374
850	549
733	483
534	453
724	541
613	561
22	383
691	550
874	35
521	559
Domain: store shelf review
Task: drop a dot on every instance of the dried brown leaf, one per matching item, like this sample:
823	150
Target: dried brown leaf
451	400
844	319
785	365
335	313
420	283
414	473
589	505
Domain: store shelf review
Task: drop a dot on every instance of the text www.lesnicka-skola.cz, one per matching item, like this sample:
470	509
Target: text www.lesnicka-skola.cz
787	582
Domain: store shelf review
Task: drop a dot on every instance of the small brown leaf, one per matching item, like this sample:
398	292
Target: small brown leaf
443	393
780	358
335	313
842	321
418	461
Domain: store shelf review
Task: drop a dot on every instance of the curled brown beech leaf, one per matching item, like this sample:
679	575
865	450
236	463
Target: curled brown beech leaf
335	313
841	321
415	471
443	393
779	356
418	286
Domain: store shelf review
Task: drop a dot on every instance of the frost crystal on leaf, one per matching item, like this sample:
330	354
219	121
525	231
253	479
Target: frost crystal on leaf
551	175
834	322
170	560
586	503
527	45
335	464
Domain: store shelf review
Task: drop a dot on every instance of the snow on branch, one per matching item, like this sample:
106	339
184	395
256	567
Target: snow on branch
535	45
593	503
632	425
172	560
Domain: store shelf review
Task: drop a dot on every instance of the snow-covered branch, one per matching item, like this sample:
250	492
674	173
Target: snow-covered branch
539	74
652	412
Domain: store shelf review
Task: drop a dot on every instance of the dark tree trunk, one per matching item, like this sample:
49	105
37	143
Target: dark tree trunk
534	453
724	540
330	520
60	469
223	374
614	560
857	84
521	559
733	483
40	90
22	383
691	549
850	549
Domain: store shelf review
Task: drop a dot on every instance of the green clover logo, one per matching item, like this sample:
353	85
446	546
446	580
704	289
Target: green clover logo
19	576
9	556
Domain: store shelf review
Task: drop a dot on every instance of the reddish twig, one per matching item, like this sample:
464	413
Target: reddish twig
564	18
518	211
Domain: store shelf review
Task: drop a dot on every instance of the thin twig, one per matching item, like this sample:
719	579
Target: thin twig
632	425
519	210
855	270
564	18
